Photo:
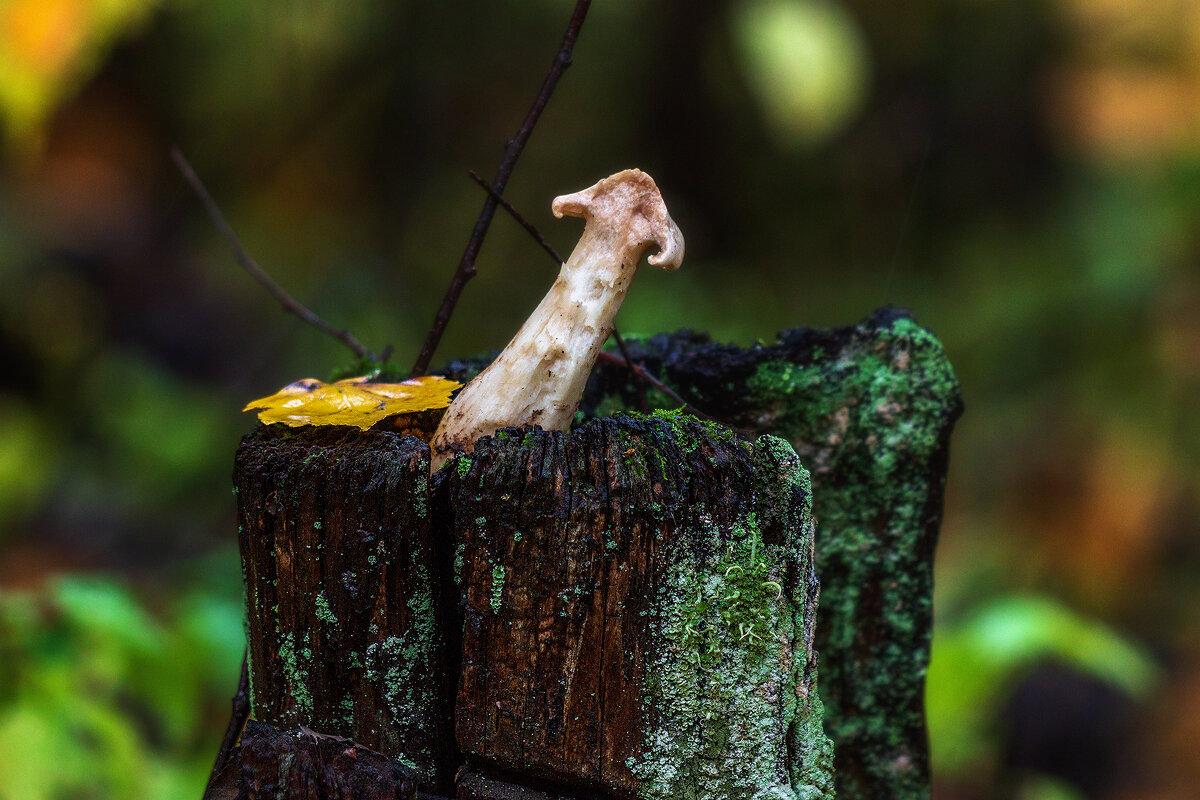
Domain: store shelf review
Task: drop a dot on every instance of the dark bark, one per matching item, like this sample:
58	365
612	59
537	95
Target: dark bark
239	712
640	603
477	786
301	765
344	593
869	408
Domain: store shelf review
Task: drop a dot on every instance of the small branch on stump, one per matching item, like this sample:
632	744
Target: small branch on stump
466	265
288	302
634	376
520	220
649	377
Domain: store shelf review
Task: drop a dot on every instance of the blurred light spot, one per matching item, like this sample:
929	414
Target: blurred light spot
43	35
1123	111
1041	787
806	63
977	661
1128	89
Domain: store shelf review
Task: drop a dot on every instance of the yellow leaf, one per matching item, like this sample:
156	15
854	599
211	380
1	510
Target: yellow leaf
355	401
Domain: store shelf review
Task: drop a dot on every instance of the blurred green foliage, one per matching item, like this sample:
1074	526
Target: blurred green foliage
978	661
100	699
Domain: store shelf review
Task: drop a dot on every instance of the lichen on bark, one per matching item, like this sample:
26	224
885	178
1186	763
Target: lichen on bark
730	696
344	591
869	408
640	599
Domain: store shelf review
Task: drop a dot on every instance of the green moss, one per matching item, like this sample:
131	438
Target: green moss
497	586
420	496
459	555
250	676
872	416
401	665
689	430
295	675
727	680
324	613
462	465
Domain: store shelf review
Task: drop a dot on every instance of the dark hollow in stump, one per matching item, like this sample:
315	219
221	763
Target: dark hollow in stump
640	599
345	597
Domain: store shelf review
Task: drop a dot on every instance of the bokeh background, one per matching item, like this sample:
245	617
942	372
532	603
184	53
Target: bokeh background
1024	175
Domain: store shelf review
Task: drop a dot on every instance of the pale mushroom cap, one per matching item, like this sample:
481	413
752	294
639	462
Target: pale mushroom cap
629	201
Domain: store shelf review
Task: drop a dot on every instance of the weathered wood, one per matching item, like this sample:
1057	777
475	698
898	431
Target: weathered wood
474	785
640	601
869	408
270	764
339	642
345	591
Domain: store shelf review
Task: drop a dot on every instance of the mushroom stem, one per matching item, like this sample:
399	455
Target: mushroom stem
538	379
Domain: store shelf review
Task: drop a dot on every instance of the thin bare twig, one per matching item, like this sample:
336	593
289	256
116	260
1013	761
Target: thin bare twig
516	215
288	302
638	383
466	265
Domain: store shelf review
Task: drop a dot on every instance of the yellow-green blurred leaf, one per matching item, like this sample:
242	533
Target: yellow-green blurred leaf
977	661
355	402
806	62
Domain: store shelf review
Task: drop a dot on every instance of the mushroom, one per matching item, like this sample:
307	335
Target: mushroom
538	379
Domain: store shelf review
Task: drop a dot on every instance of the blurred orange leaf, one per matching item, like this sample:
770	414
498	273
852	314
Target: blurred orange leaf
355	401
48	50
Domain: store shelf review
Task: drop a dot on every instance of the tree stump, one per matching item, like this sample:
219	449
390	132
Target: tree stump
869	409
640	599
633	615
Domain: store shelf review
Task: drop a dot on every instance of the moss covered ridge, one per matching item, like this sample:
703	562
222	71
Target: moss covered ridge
730	694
